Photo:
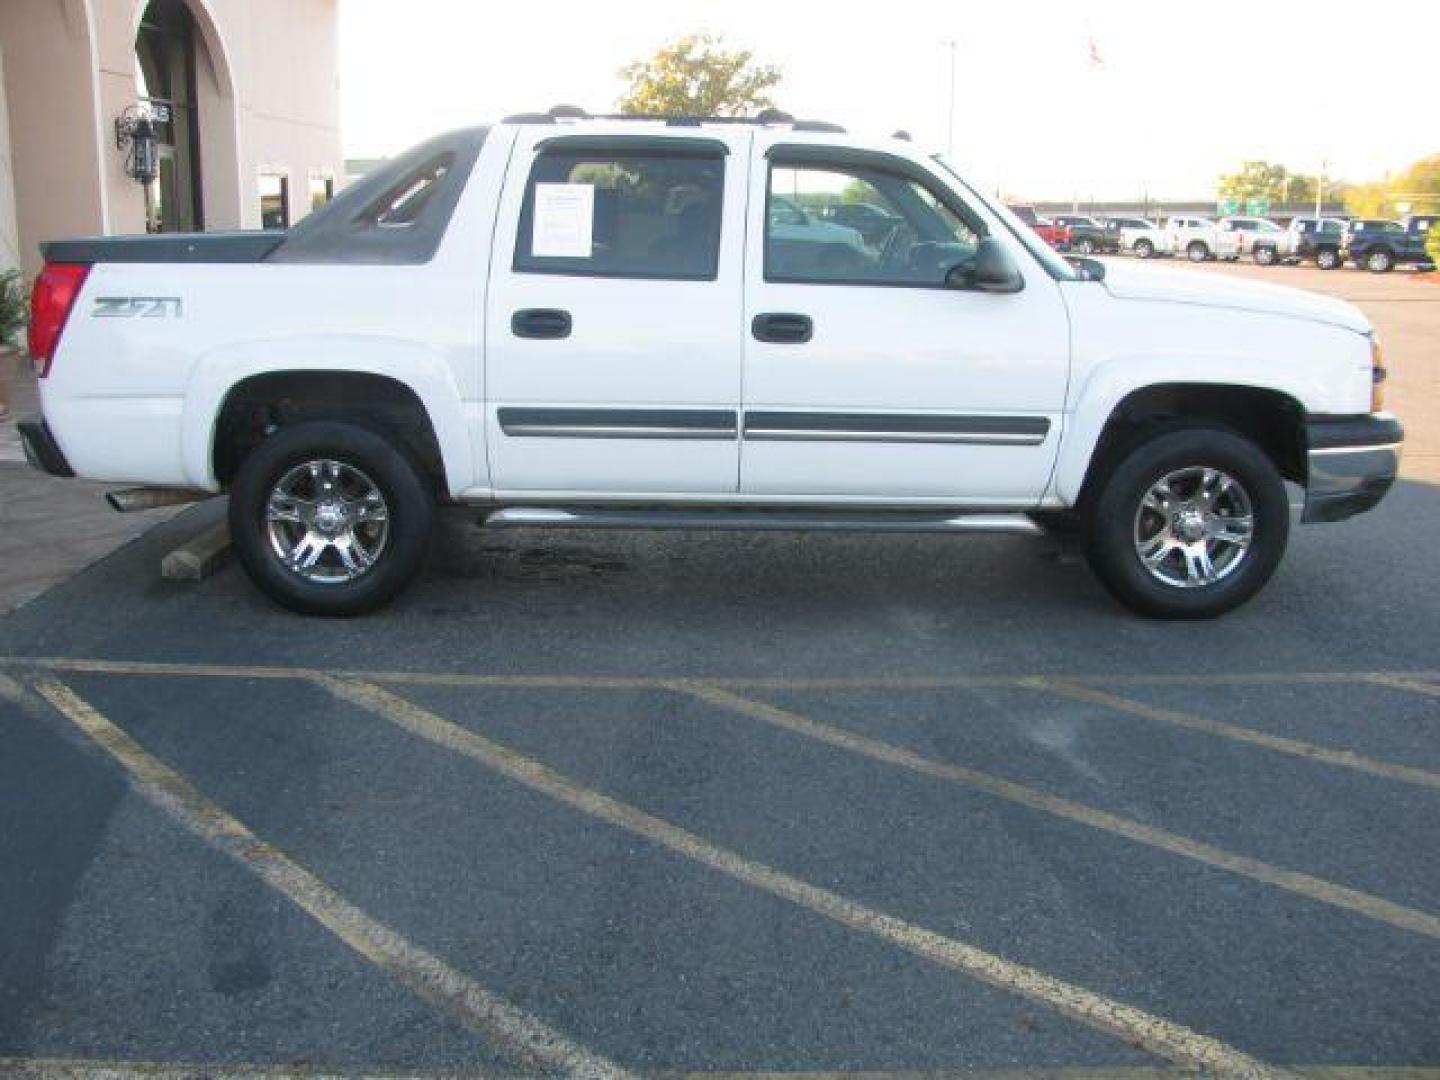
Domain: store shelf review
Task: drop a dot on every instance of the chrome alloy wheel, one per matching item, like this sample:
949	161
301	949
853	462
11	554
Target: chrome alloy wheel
327	521
1194	527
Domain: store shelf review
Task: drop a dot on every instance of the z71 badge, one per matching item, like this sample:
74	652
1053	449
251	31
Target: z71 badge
133	307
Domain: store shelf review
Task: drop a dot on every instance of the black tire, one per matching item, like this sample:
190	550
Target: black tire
1085	246
1380	261
1327	258
1144	249
1111	521
1265	256
1197	251
408	500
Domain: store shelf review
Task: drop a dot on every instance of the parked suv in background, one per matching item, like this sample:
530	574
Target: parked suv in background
1088	236
1379	245
1317	238
1057	236
1139	236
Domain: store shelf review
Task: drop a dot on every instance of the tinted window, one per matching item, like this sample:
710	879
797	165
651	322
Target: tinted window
648	214
916	239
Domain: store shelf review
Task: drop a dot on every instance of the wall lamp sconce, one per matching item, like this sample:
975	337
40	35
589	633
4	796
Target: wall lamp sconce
135	134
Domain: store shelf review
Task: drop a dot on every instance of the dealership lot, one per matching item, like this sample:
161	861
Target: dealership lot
740	803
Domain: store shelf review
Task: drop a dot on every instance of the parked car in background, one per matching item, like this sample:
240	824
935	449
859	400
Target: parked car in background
1379	245
1200	238
1057	236
1260	238
1317	238
873	223
789	222
1139	236
1088	236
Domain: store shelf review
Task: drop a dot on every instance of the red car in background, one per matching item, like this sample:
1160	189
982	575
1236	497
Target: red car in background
1057	236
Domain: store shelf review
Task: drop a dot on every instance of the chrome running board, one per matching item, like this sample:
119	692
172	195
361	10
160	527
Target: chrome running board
517	517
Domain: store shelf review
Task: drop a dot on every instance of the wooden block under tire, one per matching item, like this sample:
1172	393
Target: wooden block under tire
198	557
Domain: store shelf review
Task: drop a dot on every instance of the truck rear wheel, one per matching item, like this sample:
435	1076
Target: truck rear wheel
1265	256
1327	258
330	519
1144	248
1379	262
1189	524
1197	251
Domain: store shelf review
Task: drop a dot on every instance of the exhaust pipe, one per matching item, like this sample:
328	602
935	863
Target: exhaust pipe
149	498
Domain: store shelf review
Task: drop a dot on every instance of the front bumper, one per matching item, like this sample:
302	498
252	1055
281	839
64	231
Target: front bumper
1353	461
41	449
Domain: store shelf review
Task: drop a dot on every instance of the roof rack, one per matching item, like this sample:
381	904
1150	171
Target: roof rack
765	118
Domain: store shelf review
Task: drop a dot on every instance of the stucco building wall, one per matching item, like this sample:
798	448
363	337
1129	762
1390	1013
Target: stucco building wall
267	93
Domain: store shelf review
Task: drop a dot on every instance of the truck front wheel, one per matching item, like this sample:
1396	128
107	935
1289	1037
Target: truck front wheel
1265	256
1327	258
1197	251
330	519
1189	524
1379	261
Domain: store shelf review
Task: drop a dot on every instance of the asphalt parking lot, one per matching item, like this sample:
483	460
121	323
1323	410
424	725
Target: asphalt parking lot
739	803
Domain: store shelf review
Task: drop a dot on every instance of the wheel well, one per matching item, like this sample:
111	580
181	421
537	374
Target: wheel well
1274	421
262	404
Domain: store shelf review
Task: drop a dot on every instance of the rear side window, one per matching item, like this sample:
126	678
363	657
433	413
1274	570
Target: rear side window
622	213
402	203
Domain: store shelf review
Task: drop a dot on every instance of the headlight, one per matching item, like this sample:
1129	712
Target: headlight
1378	375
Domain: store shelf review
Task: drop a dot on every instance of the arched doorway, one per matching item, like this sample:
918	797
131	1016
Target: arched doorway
166	66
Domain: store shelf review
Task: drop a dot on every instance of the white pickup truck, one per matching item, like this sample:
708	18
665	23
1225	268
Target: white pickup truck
1200	239
595	322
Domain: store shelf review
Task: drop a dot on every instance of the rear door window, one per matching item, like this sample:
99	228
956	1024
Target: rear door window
622	213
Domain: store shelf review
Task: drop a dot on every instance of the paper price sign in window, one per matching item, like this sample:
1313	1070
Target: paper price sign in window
564	221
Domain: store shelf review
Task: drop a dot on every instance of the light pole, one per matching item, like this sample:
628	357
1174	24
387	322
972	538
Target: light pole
1320	185
953	46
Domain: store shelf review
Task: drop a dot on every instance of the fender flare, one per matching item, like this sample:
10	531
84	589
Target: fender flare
424	371
1116	379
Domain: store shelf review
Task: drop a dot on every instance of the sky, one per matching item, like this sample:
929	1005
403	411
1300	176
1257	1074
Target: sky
1182	93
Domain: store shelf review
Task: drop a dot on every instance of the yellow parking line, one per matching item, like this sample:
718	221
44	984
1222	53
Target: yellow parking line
1162	1037
1312	888
427	976
99	1069
1347	759
1069	1072
92	666
1401	682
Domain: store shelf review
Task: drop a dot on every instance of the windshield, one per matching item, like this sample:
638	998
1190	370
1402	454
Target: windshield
1054	264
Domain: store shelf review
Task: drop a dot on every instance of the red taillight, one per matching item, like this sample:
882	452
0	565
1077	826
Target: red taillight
50	302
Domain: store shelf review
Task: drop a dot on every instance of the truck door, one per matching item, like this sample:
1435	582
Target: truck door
613	346
865	376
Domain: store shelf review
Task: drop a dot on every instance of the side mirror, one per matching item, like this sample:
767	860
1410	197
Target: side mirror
992	270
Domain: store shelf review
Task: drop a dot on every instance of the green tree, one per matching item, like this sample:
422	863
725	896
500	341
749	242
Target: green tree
1267	180
1368	200
696	75
1415	190
1419	186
